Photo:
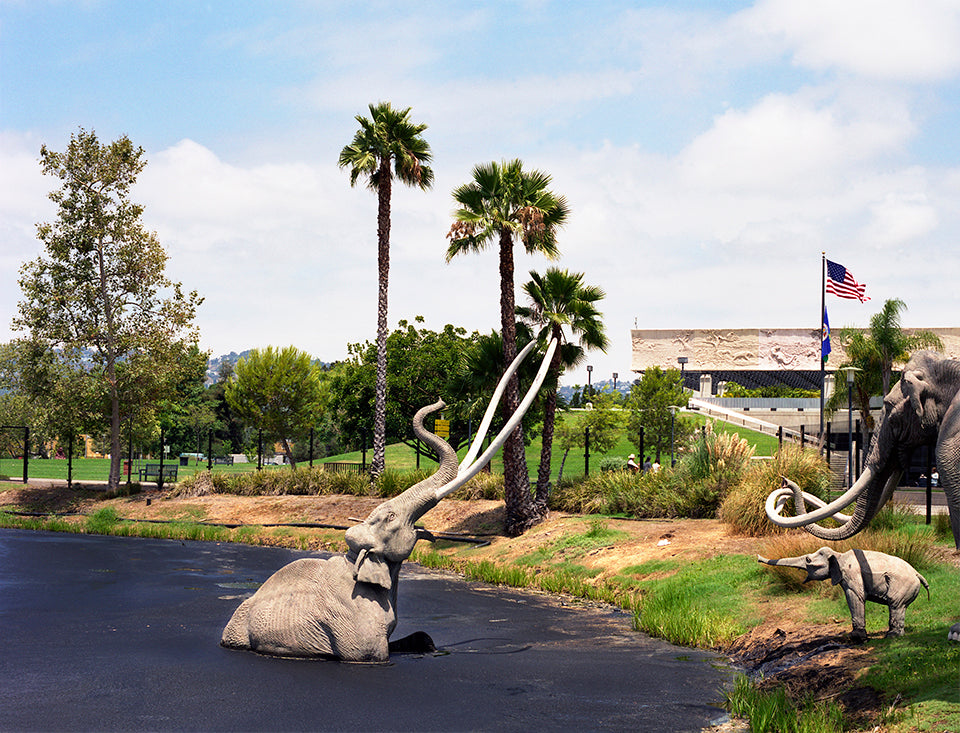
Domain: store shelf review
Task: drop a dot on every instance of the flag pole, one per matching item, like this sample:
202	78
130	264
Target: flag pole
823	311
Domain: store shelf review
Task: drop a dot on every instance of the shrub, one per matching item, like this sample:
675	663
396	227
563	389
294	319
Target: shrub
743	507
613	463
482	486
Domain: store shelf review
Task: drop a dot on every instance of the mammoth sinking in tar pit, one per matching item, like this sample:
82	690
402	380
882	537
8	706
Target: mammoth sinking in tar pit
344	607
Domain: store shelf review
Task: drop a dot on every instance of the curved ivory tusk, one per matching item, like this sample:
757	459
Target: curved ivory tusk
468	471
492	408
778	498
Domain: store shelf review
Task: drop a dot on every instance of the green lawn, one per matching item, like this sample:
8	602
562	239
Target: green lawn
399	457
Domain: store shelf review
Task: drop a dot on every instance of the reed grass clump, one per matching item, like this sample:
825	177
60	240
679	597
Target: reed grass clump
742	509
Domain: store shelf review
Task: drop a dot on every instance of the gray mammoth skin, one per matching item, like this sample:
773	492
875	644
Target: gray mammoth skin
864	575
923	408
344	607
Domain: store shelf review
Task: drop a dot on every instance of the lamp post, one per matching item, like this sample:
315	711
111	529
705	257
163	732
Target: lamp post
682	361
851	377
589	375
615	375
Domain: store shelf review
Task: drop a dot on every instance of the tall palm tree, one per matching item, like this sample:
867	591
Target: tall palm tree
505	204
387	144
873	353
560	300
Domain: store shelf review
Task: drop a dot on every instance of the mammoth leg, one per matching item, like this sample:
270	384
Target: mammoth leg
948	464
898	619
858	614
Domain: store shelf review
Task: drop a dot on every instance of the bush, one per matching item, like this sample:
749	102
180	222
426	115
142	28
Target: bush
482	486
743	507
613	463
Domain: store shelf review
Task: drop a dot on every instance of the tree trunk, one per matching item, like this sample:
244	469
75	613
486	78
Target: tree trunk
383	279
288	452
549	421
113	479
521	512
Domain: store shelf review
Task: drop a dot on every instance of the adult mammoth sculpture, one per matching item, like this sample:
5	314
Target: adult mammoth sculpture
923	408
345	607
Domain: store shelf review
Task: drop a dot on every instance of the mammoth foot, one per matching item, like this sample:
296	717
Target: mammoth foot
419	642
954	633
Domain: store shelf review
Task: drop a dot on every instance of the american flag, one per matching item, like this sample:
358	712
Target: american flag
841	283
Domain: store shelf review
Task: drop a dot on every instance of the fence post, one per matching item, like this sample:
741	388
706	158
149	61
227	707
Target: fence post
801	437
160	477
311	447
586	453
780	438
26	452
70	462
210	449
642	456
259	449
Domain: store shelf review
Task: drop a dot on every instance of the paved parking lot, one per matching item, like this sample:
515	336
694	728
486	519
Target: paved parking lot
109	633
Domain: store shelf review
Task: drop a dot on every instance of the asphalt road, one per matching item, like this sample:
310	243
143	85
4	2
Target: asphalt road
109	633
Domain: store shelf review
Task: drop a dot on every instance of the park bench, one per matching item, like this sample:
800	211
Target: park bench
343	466
151	472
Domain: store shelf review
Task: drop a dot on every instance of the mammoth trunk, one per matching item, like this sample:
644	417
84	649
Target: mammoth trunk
419	499
873	488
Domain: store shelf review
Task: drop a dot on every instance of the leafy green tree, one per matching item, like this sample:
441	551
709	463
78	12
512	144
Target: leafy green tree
560	300
422	367
649	405
501	206
874	353
387	144
604	422
277	390
98	294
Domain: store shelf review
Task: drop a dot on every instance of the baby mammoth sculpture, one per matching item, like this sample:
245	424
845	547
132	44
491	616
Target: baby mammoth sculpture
864	575
345	607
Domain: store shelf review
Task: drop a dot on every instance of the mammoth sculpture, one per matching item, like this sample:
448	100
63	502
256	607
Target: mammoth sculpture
923	408
864	576
345	607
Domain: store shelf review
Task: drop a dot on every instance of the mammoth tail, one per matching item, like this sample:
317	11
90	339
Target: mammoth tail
924	583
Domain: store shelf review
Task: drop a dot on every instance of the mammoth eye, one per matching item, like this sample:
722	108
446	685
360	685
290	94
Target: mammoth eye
391	516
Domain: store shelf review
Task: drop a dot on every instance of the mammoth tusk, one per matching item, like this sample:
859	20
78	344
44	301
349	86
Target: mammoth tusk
469	470
778	498
492	407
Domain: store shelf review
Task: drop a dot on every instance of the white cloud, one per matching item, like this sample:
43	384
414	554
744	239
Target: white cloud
897	40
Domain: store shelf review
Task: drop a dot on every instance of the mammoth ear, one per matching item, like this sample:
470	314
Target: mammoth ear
836	572
373	569
913	386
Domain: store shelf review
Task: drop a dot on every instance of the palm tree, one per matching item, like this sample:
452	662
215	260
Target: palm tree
505	204
559	300
873	353
387	144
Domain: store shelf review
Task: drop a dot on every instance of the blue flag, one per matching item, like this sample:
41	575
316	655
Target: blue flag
825	337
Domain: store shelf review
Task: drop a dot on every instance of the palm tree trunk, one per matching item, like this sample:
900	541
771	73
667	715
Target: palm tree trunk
549	421
521	513
383	279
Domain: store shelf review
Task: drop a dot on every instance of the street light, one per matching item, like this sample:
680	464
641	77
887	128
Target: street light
615	375
682	361
589	387
851	377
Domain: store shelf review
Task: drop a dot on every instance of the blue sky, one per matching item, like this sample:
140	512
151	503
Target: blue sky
709	152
